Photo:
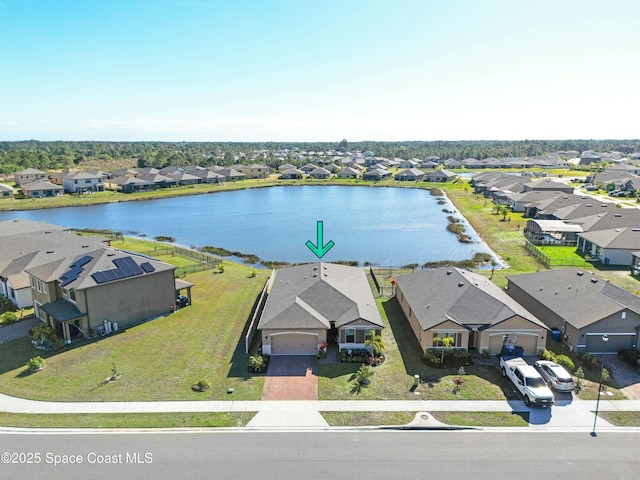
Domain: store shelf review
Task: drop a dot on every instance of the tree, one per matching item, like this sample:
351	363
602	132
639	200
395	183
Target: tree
446	342
364	374
375	343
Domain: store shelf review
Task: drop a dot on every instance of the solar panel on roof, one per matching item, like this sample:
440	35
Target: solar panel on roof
110	274
99	277
82	261
147	267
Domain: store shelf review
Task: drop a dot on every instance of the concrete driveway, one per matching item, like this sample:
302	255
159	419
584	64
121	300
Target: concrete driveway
291	377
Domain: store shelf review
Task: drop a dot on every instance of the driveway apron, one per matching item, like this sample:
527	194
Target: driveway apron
291	377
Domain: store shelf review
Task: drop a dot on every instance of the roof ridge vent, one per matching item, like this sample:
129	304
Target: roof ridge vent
594	280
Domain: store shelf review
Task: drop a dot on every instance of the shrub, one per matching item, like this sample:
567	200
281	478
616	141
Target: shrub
589	361
202	385
36	363
8	317
44	338
566	362
579	376
7	305
258	363
548	355
433	356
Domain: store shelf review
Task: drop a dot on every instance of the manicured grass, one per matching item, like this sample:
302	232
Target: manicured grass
394	378
158	360
357	419
127	420
483	419
621	419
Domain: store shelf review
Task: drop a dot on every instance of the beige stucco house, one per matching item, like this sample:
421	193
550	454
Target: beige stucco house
317	303
451	302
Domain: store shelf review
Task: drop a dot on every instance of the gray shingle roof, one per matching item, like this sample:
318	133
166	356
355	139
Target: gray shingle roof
464	297
576	295
315	295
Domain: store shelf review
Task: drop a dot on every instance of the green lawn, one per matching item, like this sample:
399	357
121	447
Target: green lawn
394	378
356	419
127	420
622	419
158	360
483	419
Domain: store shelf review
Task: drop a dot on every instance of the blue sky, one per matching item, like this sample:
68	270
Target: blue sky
321	70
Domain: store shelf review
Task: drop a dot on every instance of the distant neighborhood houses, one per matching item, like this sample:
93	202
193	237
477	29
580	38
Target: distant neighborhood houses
80	286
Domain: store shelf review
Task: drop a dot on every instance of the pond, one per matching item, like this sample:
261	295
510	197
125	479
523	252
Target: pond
382	226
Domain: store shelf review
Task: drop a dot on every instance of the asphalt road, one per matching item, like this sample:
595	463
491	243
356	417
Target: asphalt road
322	454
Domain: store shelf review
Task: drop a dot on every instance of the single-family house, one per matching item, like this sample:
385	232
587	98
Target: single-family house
41	189
231	174
25	243
129	184
410	175
28	175
429	165
82	182
349	172
184	178
89	293
459	304
285	166
439	176
473	163
410	163
256	170
209	176
582	306
548	185
308	168
611	247
6	191
376	174
291	174
124	172
162	181
332	168
320	173
308	305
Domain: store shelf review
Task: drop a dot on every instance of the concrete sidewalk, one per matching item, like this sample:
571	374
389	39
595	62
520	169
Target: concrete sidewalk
306	413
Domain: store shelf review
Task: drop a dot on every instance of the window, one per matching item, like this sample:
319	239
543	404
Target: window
350	335
33	282
39	285
44	287
439	336
12	293
36	310
72	295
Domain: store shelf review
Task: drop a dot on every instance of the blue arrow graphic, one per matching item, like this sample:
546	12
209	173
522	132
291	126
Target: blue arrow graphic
320	249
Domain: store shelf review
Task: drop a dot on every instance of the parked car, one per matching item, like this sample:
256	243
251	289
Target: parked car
556	375
590	188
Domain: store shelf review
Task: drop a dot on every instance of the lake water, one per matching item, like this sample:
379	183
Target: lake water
383	226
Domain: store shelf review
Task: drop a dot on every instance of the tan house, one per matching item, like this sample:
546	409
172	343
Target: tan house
41	189
6	191
317	303
29	175
256	171
456	303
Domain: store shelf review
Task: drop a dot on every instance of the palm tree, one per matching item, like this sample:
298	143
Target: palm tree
375	343
363	375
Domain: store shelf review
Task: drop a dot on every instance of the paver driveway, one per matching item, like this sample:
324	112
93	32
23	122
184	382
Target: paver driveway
291	377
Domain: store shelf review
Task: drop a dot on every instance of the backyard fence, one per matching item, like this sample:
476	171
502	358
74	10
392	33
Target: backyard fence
548	261
257	312
96	232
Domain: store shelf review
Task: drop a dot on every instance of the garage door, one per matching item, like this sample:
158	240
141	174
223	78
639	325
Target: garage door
294	344
615	343
529	343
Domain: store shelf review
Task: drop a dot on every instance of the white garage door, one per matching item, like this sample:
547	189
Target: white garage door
294	344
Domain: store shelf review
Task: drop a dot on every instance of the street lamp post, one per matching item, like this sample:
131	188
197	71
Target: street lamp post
604	348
